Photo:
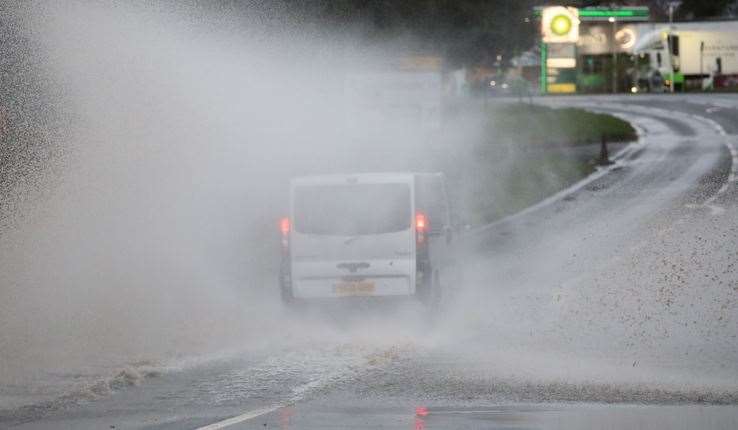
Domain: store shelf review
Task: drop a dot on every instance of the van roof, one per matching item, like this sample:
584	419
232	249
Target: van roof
378	177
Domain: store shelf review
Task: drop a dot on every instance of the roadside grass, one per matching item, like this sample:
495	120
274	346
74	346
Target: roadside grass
532	180
497	191
529	152
565	126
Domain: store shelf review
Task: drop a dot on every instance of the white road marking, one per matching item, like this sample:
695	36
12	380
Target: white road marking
714	209
732	175
460	412
709	203
241	418
298	393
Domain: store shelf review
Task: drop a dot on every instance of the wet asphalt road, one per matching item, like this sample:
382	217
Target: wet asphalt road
609	307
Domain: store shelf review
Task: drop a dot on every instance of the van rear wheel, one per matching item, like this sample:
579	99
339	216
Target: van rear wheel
429	291
436	292
285	290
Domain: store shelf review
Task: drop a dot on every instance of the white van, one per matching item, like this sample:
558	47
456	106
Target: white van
365	235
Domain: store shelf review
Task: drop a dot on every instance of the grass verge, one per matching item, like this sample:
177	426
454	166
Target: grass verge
565	126
529	152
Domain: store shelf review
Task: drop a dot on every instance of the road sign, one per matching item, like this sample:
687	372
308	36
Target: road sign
633	13
560	24
626	13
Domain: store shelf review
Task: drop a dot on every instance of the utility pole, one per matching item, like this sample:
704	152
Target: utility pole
543	84
702	68
670	41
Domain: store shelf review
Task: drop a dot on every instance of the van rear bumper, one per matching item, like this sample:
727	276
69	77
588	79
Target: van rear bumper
338	288
356	302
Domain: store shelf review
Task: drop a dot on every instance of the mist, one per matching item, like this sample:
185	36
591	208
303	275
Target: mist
147	232
151	233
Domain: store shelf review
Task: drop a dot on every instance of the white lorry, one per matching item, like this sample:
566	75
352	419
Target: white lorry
690	58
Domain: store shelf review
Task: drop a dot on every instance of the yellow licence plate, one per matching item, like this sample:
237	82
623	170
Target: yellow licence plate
359	288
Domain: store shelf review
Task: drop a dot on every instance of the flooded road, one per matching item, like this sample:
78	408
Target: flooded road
614	302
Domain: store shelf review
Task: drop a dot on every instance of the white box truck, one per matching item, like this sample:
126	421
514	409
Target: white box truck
696	58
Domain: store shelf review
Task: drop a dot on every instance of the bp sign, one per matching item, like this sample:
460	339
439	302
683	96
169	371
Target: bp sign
560	24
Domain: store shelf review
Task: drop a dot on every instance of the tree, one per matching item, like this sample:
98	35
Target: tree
701	9
463	31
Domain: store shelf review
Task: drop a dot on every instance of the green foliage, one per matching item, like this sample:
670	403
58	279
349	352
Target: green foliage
542	125
529	178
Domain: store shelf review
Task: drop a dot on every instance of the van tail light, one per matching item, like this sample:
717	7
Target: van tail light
421	227
284	228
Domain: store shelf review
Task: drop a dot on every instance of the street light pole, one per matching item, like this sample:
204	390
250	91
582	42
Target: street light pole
614	56
702	66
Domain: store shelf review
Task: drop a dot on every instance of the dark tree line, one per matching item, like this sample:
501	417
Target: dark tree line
467	31
464	32
706	9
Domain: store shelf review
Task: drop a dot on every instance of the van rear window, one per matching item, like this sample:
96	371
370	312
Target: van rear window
352	209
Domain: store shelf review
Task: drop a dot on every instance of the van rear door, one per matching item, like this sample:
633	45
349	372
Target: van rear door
353	239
